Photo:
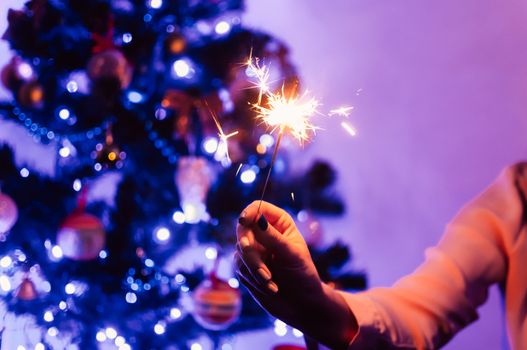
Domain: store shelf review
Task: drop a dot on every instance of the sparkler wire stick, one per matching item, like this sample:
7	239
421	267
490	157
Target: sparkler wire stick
275	152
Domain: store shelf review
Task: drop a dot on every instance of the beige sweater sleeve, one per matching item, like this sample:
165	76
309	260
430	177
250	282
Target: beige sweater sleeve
426	308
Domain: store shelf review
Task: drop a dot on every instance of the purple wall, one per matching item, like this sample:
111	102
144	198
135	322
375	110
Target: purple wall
442	109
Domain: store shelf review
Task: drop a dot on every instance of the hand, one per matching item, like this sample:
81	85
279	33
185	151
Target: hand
274	263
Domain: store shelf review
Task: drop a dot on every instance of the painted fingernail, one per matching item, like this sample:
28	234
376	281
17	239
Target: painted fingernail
272	287
242	220
262	223
264	274
244	242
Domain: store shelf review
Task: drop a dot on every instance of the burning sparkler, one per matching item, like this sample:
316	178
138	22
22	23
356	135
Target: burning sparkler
285	112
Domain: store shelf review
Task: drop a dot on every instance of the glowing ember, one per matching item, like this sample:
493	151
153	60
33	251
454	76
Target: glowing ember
341	111
223	137
239	168
349	128
289	114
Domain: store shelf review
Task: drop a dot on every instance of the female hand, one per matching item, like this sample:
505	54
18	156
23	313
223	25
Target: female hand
274	263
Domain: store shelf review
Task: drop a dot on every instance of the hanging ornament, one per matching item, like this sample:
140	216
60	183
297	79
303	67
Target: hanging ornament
15	73
8	213
107	155
217	305
81	236
175	43
31	94
26	291
110	65
193	180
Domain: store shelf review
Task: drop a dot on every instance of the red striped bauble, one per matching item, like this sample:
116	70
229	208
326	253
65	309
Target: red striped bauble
217	305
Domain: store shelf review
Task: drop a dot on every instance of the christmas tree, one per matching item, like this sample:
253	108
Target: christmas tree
128	243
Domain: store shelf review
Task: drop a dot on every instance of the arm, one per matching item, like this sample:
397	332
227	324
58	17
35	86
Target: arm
427	308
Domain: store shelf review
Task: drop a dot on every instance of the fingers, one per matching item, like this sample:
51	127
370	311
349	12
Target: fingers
258	278
275	215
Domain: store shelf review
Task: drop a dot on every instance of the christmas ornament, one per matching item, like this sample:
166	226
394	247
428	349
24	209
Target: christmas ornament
175	43
193	180
110	65
26	291
8	213
15	73
217	305
107	155
81	236
31	94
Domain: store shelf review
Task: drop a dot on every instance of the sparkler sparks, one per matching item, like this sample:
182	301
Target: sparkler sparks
239	168
341	111
349	128
224	145
286	112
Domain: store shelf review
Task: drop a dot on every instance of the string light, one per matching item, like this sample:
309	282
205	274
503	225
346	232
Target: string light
159	328
111	333
100	336
222	28
69	288
6	261
175	313
178	217
5	284
48	316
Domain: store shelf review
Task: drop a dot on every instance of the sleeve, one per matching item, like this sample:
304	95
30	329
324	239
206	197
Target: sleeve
428	307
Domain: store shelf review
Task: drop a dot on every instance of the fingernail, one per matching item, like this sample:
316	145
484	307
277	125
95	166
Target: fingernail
242	220
272	287
244	242
262	223
264	274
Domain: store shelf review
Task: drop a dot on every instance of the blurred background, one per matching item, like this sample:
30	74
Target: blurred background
439	91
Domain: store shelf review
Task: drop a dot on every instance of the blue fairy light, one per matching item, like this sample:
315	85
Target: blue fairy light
222	28
155	4
64	113
6	261
101	336
160	328
77	185
127	38
48	316
175	313
5	283
248	176
182	68
131	298
72	86
162	234
24	172
135	97
210	145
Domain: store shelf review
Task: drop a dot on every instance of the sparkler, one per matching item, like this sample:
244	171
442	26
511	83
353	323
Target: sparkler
284	112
